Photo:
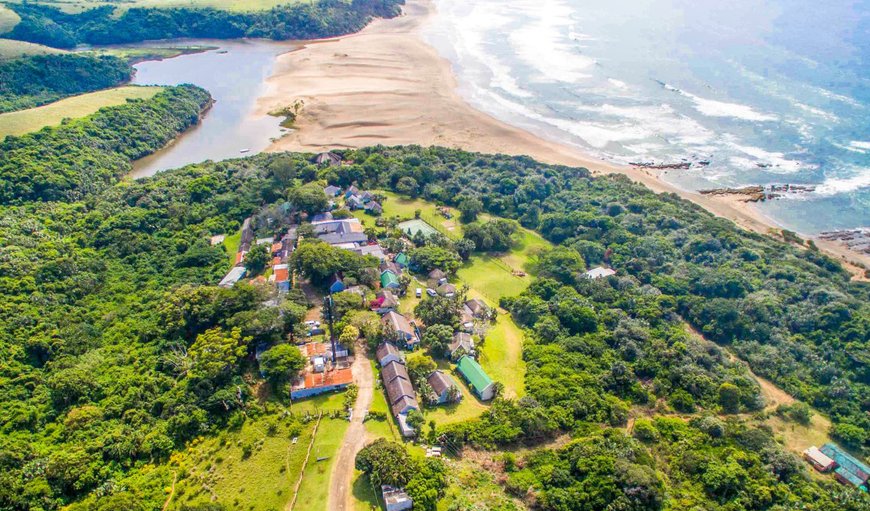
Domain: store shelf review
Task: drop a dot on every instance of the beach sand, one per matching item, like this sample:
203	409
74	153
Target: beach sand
385	85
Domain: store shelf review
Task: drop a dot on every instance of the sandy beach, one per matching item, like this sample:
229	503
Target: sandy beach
385	85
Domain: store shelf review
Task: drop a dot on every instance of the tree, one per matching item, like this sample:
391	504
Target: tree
416	420
420	366
215	352
282	362
562	264
431	257
349	335
464	247
729	397
407	185
386	462
308	198
469	208
437	338
438	310
257	258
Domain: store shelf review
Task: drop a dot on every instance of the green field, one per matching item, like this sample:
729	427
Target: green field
231	245
313	492
502	356
74	6
8	19
396	206
11	49
34	119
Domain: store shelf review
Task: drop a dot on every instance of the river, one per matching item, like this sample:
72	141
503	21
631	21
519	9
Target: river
234	72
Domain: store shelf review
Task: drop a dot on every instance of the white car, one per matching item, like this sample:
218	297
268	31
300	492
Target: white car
419	292
431	292
311	322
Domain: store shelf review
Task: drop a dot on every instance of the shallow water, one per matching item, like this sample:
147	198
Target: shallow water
235	75
766	91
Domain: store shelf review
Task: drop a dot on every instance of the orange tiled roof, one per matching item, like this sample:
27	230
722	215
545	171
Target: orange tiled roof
313	349
277	246
282	275
335	377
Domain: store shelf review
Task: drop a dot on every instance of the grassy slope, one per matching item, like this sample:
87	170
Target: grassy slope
74	6
8	19
34	119
11	49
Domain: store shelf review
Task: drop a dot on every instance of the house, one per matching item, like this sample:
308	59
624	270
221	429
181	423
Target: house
352	191
448	290
371	250
463	344
476	308
367	197
441	385
354	202
312	384
321	217
374	208
394	370
336	232
385	301
388	352
332	191
266	241
390	280
336	285
395	499
402	260
598	273
400	329
328	158
400	394
480	382
236	273
819	460
217	239
436	275
281	272
849	469
391	266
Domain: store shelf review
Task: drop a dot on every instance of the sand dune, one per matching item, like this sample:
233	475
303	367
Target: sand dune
386	86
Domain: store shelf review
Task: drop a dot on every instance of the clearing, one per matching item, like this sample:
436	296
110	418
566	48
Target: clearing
34	119
11	49
8	19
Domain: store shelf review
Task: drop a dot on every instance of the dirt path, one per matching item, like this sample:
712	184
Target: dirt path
171	491
341	480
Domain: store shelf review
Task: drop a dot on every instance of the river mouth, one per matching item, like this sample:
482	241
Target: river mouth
235	73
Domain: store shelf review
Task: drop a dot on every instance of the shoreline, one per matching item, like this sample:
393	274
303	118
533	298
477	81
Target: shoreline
385	85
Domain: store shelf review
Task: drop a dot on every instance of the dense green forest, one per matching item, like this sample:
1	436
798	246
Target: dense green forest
116	347
85	154
325	18
32	81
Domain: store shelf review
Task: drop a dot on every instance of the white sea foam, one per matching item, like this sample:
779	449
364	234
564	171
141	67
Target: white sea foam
713	108
619	84
779	163
859	146
838	185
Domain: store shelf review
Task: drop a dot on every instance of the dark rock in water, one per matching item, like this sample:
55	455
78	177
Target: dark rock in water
856	239
650	165
704	163
764	165
759	193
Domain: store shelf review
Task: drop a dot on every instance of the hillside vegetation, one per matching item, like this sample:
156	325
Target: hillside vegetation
53	27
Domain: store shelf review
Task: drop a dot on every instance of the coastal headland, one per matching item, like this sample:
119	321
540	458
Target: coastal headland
386	85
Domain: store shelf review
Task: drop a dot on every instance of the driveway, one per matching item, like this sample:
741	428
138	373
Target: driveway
341	480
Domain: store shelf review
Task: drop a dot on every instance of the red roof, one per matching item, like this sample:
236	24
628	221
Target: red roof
336	377
240	256
277	246
282	275
313	349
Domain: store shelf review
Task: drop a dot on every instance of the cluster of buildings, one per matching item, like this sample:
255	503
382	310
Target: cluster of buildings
279	249
401	396
847	469
356	200
326	370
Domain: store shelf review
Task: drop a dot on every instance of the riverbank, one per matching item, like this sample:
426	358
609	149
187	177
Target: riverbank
385	85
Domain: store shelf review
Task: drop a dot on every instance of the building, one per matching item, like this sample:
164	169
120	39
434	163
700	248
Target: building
321	217
849	469
395	499
374	208
442	384
819	460
313	384
371	250
394	369
463	344
480	382
351	191
332	191
402	260
599	273
389	280
388	352
401	397
281	272
236	274
446	289
436	275
385	301
336	285
400	329
328	158
353	203
476	308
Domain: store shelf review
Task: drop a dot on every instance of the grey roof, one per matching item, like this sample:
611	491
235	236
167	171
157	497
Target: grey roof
437	274
390	299
387	348
600	272
398	322
440	382
322	217
328	158
394	370
404	402
331	190
399	388
335	238
461	340
476	306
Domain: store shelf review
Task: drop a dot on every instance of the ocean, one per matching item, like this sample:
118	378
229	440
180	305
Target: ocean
754	92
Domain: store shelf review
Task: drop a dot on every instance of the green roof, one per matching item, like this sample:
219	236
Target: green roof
388	278
401	258
474	374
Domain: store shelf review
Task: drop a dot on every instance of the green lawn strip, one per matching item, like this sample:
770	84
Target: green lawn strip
365	497
231	245
502	356
468	408
34	119
314	490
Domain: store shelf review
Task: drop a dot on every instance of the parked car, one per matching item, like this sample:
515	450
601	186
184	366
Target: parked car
431	292
419	292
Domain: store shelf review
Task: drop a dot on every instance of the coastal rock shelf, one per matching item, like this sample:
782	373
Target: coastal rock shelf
758	193
856	239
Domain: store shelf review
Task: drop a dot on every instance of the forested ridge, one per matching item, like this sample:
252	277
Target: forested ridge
35	80
50	26
100	292
86	154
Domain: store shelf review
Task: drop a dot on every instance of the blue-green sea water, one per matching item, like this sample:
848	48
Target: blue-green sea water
767	92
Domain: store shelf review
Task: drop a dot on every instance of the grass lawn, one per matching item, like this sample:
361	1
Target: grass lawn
34	119
314	490
231	245
502	356
8	19
10	49
404	209
364	494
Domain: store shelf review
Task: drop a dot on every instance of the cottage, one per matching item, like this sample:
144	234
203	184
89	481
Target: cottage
394	370
236	273
328	158
351	191
388	352
436	275
443	386
463	344
385	301
819	460
367	196
281	272
849	470
336	285
371	250
406	403
321	217
332	191
390	280
402	260
374	208
312	384
354	203
599	273
480	382
476	308
400	329
395	499
446	289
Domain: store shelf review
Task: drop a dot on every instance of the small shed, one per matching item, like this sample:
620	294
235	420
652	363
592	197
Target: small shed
395	499
336	285
389	280
819	460
480	382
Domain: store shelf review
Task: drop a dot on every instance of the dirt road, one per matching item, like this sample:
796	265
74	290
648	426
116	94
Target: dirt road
341	480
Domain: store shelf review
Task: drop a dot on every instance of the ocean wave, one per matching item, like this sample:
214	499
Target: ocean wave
773	161
714	108
839	185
